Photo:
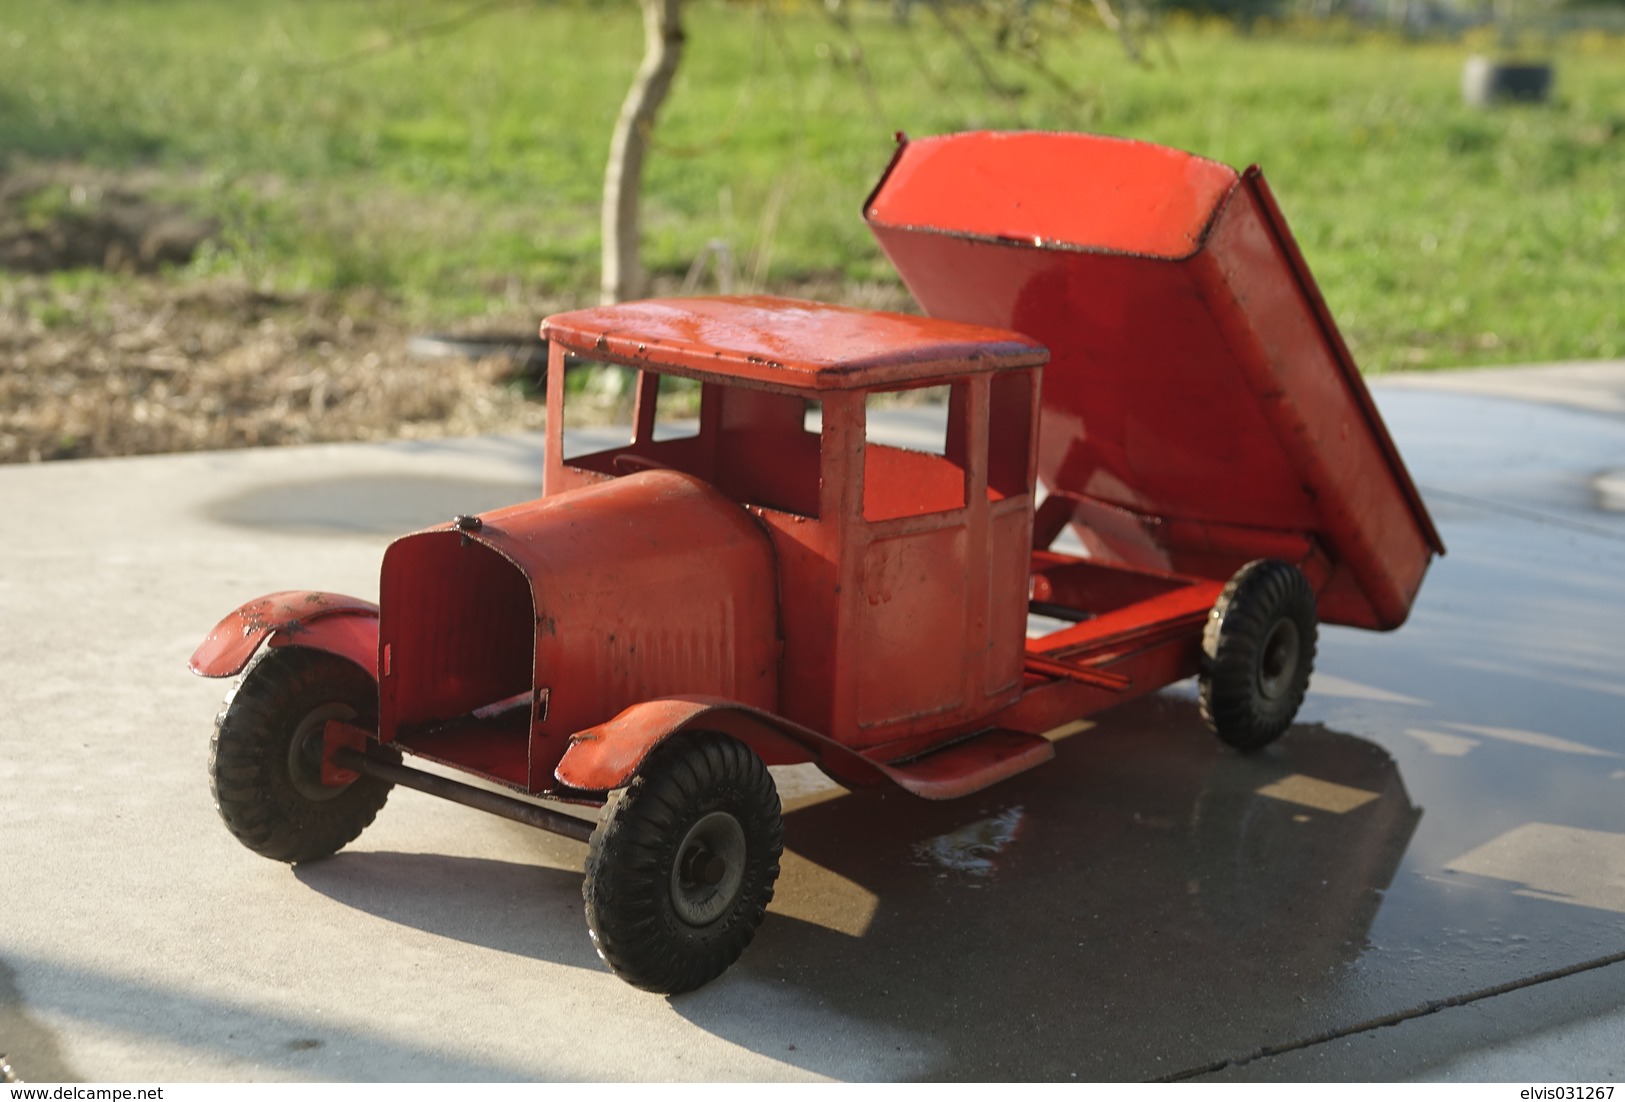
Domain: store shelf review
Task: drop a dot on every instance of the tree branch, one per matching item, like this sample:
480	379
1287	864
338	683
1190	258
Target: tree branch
989	78
622	276
431	29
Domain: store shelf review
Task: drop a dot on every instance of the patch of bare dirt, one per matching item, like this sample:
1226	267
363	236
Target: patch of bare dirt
154	366
150	361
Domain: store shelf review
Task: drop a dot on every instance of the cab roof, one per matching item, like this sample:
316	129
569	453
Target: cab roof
790	342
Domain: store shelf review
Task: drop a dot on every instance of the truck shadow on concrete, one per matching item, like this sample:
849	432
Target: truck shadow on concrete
1149	892
29	1049
522	909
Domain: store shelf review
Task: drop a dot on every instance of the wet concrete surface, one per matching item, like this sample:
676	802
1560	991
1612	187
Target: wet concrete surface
1444	823
1093	918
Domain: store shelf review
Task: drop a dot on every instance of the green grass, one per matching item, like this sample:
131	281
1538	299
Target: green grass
449	166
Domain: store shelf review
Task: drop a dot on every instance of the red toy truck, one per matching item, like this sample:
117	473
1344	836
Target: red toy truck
770	586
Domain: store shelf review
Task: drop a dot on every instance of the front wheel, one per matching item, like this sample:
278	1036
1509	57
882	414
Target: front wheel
265	760
1258	650
681	869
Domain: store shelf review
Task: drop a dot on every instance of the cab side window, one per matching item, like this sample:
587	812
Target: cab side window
759	447
1010	434
928	474
764	453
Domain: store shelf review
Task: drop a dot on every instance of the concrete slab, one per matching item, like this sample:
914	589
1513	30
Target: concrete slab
1445	820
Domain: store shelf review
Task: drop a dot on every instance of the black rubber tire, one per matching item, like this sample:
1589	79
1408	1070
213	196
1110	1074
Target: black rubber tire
654	924
264	759
1258	650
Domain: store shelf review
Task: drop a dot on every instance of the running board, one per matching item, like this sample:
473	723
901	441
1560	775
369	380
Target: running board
970	765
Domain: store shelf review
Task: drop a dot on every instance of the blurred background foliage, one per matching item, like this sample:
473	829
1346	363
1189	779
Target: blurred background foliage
449	154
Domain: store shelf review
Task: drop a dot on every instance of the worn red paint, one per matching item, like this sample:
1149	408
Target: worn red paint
783	578
1200	407
341	735
346	626
603	756
628	590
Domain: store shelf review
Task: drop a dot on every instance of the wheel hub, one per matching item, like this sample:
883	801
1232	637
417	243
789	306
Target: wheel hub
709	870
701	866
1278	661
305	752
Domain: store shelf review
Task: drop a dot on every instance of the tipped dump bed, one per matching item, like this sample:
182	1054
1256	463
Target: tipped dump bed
1200	408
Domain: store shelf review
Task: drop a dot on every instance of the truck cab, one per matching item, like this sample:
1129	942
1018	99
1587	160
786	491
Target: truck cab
900	572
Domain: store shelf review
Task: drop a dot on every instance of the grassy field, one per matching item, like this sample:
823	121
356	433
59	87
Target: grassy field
458	172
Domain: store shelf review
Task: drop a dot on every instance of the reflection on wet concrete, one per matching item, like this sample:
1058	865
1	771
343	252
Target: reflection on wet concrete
1146	897
378	504
1585	868
972	850
1506	690
29	1048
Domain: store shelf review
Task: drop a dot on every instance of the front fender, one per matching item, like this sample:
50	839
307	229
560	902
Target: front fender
606	756
345	626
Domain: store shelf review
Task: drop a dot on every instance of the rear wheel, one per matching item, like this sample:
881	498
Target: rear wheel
681	869
1258	651
265	760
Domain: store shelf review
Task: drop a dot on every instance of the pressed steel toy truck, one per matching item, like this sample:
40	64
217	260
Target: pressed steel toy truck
769	585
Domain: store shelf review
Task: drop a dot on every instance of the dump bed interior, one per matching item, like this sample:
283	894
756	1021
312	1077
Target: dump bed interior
1200	408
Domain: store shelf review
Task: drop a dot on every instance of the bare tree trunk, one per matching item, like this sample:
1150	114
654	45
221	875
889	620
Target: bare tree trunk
623	176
